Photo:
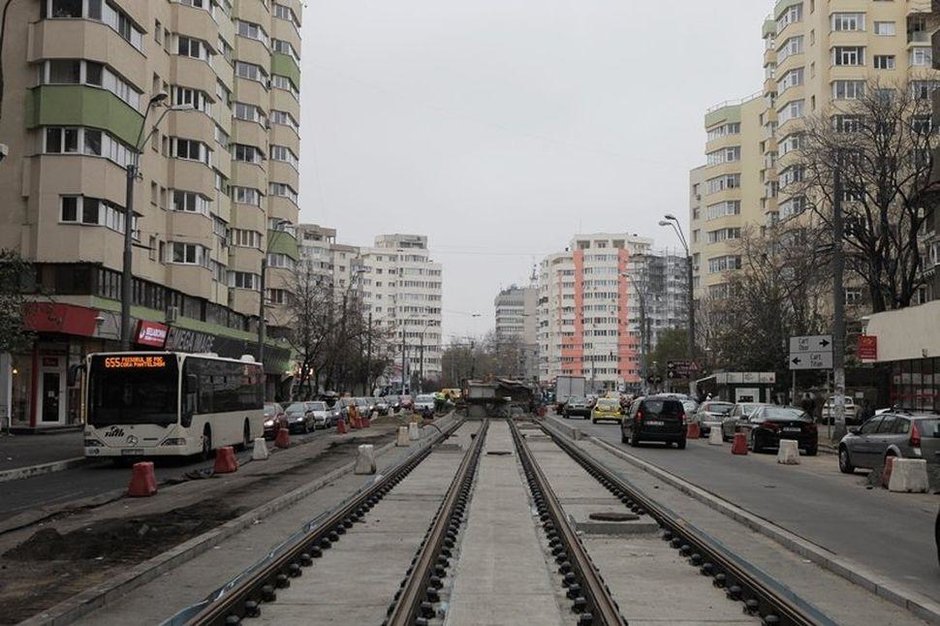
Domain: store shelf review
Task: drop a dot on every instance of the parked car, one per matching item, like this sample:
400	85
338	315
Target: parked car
769	424
342	407
424	403
274	419
382	405
655	418
300	417
366	407
710	414
902	434
739	414
322	414
576	405
828	414
606	409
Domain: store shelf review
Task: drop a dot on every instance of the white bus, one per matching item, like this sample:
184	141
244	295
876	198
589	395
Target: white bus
148	404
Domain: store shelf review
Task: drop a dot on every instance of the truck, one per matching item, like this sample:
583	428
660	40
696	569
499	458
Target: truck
567	386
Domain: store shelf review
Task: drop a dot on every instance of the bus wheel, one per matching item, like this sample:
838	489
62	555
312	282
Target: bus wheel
206	443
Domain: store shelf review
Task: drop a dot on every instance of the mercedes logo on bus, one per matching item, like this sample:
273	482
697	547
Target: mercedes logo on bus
132	440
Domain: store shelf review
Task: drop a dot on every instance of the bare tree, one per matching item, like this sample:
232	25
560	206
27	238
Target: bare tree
14	273
312	325
881	145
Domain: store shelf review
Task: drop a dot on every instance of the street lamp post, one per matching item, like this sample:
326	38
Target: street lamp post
131	172
644	337
673	222
262	324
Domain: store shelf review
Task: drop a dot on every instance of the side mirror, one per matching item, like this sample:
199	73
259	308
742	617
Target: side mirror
855	431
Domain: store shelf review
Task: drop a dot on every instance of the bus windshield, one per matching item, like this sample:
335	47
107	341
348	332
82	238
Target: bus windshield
133	390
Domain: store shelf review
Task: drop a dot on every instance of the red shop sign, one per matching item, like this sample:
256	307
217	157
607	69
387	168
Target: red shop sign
868	347
152	334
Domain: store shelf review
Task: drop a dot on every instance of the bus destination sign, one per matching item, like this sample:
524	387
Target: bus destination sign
134	362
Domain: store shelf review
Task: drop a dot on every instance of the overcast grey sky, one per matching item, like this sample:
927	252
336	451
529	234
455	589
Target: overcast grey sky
501	128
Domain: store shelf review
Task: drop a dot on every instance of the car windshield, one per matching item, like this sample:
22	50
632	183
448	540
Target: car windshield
576	400
718	407
607	405
425	398
270	410
318	406
297	407
689	405
781	413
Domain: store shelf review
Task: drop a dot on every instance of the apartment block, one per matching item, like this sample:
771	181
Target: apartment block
592	298
207	91
817	56
516	310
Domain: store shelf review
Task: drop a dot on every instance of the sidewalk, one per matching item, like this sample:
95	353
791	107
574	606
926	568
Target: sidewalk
18	451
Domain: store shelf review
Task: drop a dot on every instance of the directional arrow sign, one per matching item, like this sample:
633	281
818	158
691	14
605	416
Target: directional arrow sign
811	343
813	352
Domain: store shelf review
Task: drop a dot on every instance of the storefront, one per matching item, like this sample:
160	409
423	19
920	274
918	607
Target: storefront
909	341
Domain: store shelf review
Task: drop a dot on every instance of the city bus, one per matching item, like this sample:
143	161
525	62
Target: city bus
150	404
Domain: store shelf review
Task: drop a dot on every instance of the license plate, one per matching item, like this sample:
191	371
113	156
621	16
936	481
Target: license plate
792	429
655	423
132	452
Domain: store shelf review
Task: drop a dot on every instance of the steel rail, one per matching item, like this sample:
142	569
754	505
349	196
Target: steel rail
596	605
762	596
414	601
244	596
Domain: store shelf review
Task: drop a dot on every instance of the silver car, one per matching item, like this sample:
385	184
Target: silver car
900	434
711	414
322	415
738	415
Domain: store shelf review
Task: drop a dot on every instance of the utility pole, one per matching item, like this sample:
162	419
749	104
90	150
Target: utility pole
262	327
838	302
403	357
369	358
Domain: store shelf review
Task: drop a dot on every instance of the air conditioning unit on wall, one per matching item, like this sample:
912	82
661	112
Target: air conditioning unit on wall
172	313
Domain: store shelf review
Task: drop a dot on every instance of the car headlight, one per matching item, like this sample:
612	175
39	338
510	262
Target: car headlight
269	422
93	443
174	441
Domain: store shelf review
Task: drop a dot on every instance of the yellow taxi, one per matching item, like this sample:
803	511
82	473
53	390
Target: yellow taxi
606	409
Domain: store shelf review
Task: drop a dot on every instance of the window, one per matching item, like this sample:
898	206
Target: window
921	57
97	10
251	31
284	118
191	150
283	82
250	71
922	89
790	143
223	94
848	21
283	190
724	263
284	12
71	72
884	62
246	238
61	140
277	296
195	48
790	110
188	254
285	154
792	206
93	212
848	55
793	45
280	261
722	209
246	195
792	78
791	15
885	29
848	89
226	50
723	234
731	128
199	100
248	154
250	113
714	185
284	47
725	155
244	280
190	202
790	175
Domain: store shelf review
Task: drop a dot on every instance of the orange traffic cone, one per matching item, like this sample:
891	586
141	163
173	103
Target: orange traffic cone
225	461
886	473
143	482
740	444
693	431
283	438
341	426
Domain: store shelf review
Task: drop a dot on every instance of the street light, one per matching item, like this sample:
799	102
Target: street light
131	171
644	337
262	324
673	222
421	357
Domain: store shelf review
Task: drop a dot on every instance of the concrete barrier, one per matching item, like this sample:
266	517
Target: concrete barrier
789	452
413	433
403	440
908	476
260	451
886	471
365	462
715	438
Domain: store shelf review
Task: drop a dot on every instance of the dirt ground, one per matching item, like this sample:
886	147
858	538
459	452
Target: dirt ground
69	555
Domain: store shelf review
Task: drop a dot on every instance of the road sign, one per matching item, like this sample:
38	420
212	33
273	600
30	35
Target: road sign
868	347
813	352
681	369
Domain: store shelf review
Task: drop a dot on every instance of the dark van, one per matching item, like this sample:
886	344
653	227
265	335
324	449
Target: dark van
655	418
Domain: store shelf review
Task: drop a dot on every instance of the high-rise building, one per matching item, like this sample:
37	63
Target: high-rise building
208	93
516	322
816	56
592	298
401	287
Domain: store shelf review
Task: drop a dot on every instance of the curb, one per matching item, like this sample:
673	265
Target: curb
919	605
101	595
45	468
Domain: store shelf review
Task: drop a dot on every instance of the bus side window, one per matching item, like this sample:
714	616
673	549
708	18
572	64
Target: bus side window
190	393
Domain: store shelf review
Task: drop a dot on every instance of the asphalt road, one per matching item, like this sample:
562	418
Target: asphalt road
57	488
36	449
890	533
